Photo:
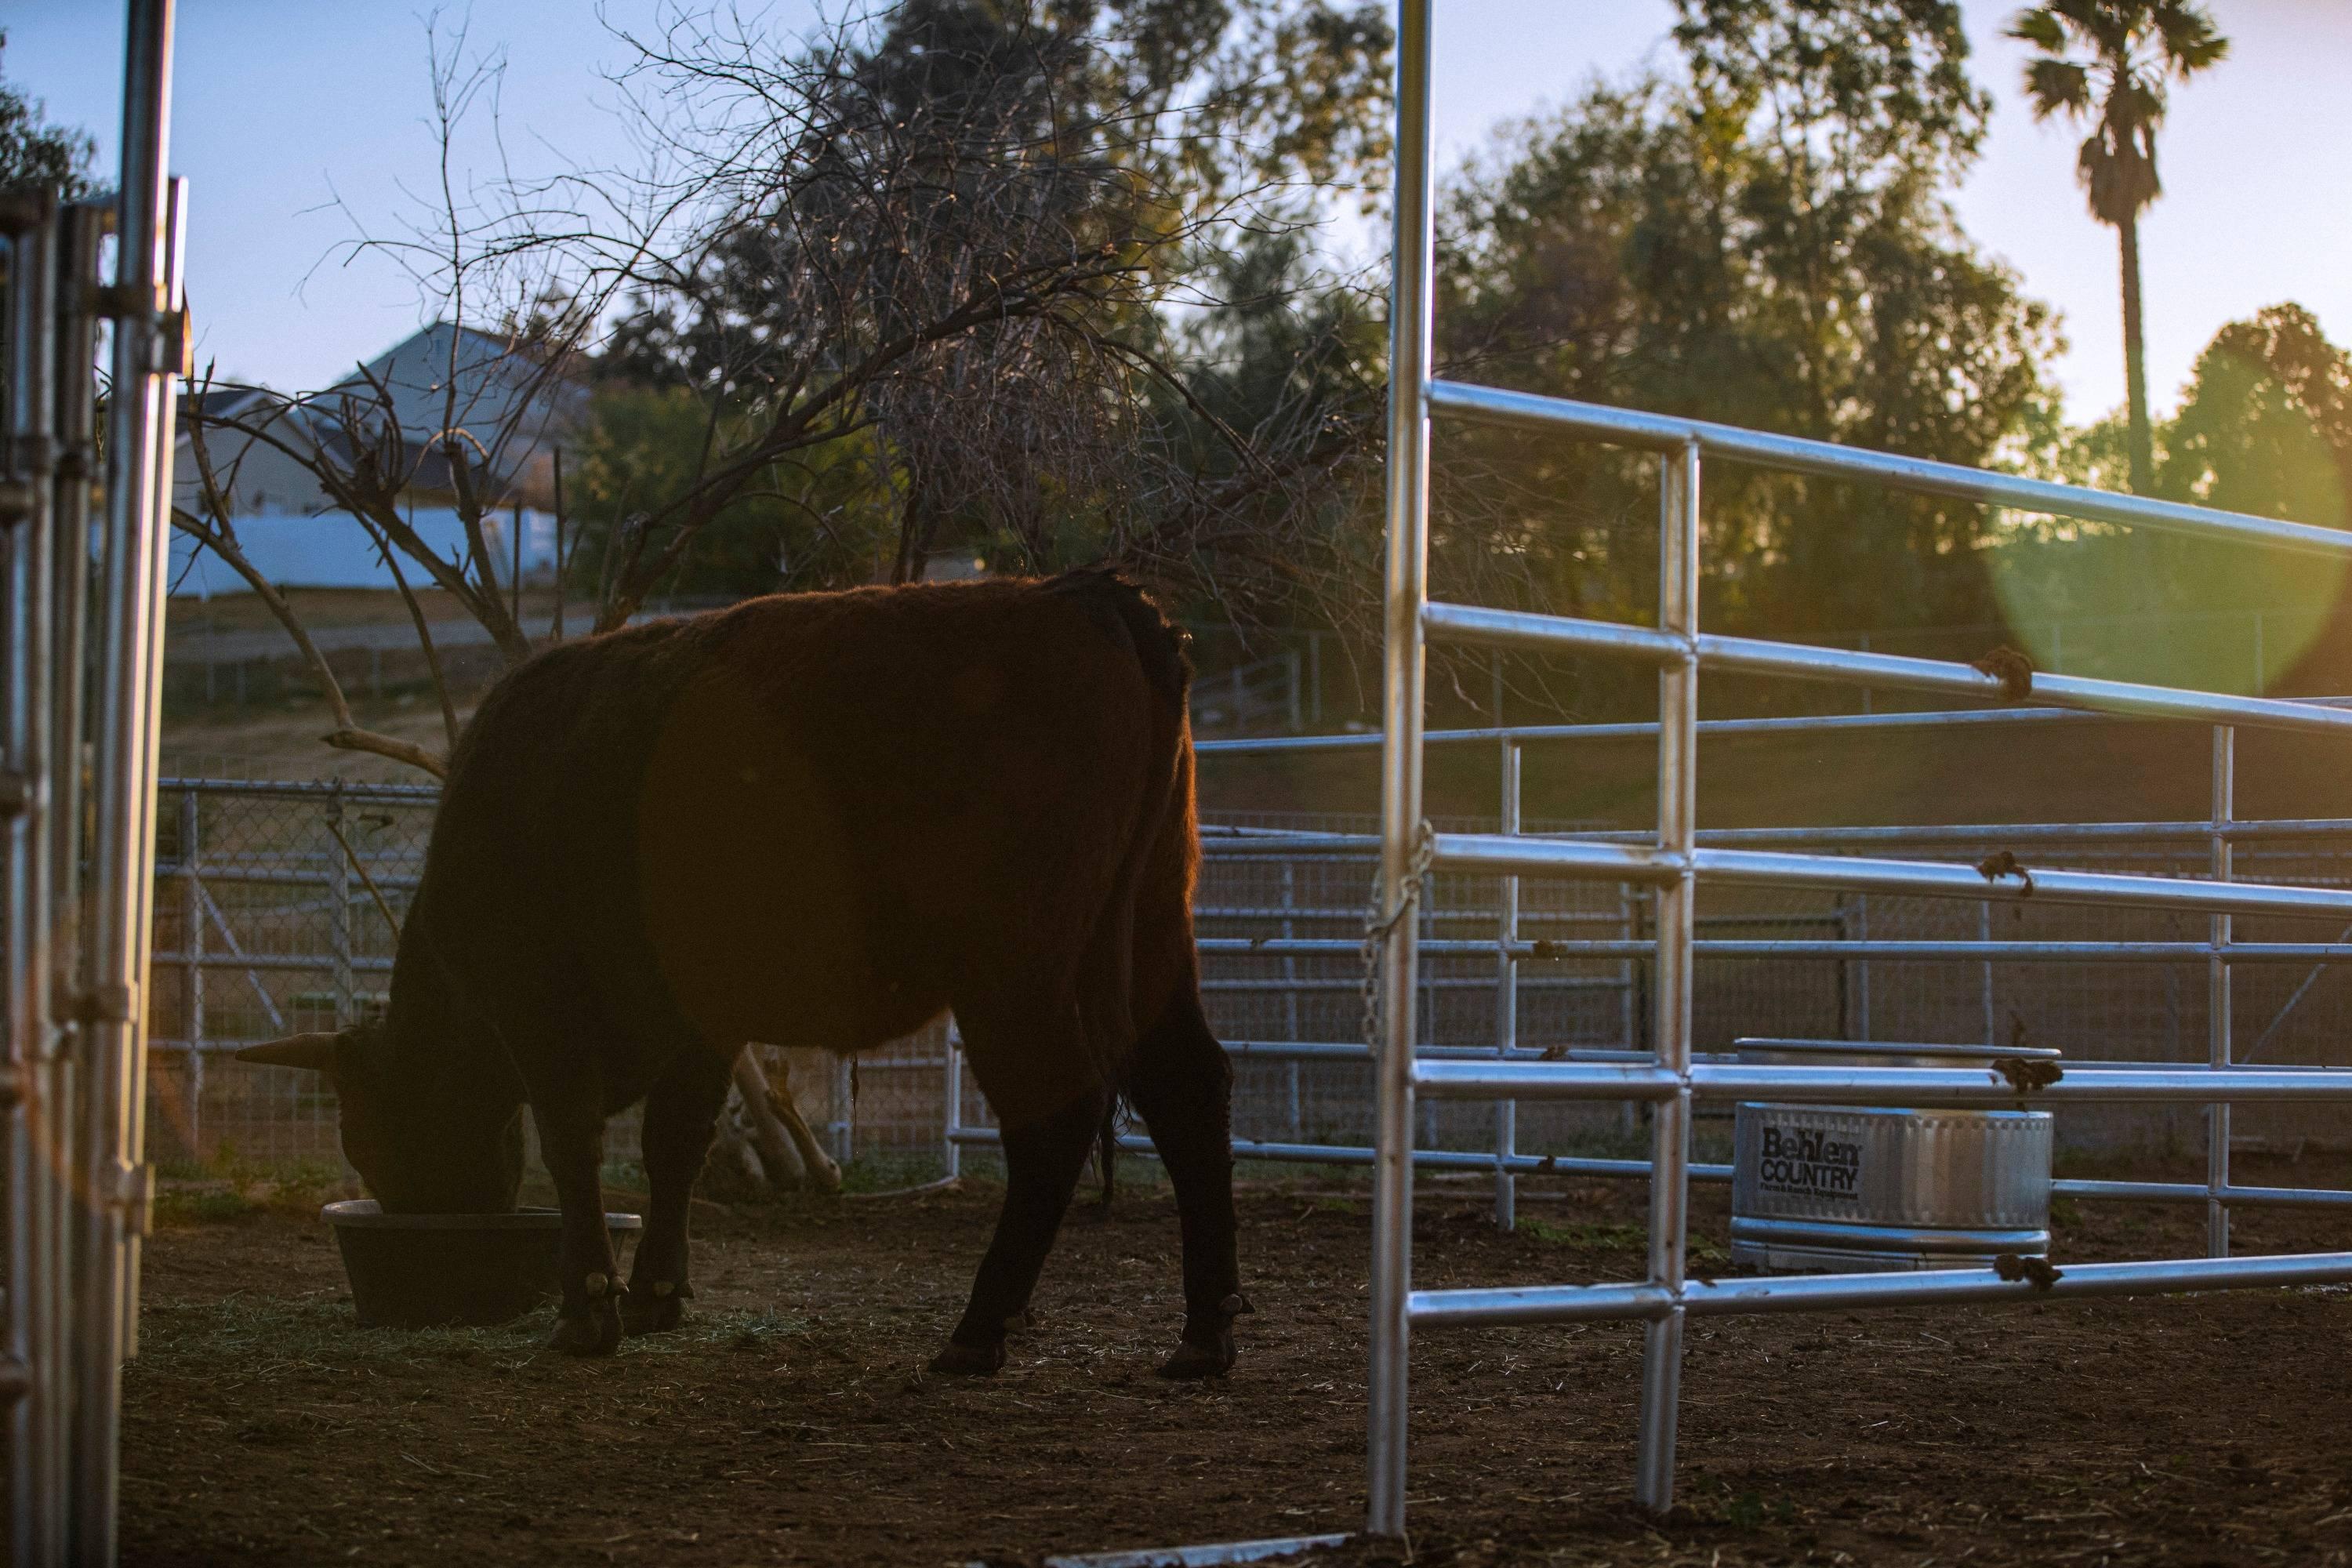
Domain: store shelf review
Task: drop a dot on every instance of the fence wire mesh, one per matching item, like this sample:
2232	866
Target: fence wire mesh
276	909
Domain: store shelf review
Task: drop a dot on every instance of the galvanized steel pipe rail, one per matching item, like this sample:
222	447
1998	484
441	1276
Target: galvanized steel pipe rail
1673	862
1501	1307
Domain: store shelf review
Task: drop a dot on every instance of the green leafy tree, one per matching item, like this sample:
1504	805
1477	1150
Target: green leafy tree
2264	427
2109	64
821	518
925	262
967	238
1767	243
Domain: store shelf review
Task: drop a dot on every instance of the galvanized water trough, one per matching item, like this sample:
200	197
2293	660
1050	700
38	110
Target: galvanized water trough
1839	1189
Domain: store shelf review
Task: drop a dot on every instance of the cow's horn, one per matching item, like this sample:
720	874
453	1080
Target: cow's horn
314	1051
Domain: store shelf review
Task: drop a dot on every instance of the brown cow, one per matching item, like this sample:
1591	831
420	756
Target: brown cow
814	819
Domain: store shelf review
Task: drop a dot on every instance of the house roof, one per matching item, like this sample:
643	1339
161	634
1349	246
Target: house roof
493	394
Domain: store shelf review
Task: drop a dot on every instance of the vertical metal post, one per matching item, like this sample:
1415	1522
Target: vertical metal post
1425	1023
1507	1002
191	948
2217	997
1862	970
1661	1343
169	344
1298	1118
35	1233
951	1151
1290	677
1984	933
138	458
1404	594
83	228
1629	916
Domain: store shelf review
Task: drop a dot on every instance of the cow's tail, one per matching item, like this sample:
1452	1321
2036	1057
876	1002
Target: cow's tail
1156	879
1161	647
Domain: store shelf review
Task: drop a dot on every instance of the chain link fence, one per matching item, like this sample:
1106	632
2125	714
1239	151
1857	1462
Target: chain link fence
276	906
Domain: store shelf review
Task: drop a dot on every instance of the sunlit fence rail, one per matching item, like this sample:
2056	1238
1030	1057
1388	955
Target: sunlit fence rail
277	903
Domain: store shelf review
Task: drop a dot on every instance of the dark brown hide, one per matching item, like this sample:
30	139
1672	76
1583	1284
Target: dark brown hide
815	820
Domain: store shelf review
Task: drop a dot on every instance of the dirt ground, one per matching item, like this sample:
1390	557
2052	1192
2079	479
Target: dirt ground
791	1422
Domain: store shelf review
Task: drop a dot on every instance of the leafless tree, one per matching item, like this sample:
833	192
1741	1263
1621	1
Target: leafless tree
957	231
964	234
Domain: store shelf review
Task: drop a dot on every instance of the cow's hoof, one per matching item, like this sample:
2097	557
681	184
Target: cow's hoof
1193	1362
647	1314
968	1360
598	1333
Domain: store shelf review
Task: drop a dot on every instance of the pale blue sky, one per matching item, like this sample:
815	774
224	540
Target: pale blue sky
284	103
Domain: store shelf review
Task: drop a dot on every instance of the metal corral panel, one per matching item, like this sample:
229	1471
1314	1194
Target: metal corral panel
1817	1187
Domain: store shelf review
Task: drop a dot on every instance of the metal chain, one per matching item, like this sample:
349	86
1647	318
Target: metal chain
1377	929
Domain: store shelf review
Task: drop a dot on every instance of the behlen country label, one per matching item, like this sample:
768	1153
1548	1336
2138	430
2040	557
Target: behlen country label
1809	1162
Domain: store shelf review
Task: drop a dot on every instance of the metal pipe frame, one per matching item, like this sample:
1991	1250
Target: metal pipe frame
1987	1087
35	1386
2010	833
1971	951
1507	997
1675	862
351	794
1635	730
1537	734
1479	627
2217	996
1670	1121
1894	1049
1794	454
113	980
1580	858
1405	592
1496	1308
1479	1162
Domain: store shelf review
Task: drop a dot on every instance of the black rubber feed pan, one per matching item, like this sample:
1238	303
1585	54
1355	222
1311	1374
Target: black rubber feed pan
437	1270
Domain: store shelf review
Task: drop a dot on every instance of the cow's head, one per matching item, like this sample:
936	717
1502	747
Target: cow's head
417	1152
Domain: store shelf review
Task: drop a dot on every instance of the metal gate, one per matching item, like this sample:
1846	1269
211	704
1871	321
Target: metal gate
1674	863
82	637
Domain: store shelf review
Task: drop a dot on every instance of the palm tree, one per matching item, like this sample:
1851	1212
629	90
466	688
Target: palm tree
2108	62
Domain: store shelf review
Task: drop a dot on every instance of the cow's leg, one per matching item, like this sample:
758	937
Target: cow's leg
779	1160
1041	1162
572	1141
1182	1086
681	1111
823	1174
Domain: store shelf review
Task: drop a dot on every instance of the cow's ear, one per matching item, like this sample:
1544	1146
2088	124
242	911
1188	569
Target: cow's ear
315	1052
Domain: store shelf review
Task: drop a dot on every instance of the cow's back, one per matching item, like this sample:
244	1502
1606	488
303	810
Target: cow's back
812	818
